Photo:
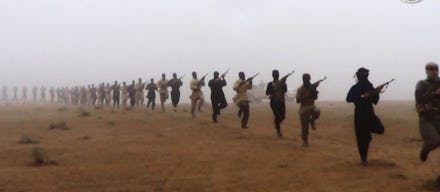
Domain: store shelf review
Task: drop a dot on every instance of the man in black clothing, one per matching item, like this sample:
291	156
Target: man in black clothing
218	99
365	120
151	94
116	88
131	93
175	84
93	94
276	91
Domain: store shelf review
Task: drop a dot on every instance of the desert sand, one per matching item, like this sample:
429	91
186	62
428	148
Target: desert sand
143	150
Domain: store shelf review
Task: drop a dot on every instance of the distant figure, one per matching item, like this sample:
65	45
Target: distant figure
175	84
24	93
15	93
52	94
139	95
116	89
306	95
132	93
163	91
197	94
101	94
151	94
276	91
43	94
93	95
89	95
124	94
108	94
365	120
241	86
83	95
74	95
5	93
218	99
428	106
34	93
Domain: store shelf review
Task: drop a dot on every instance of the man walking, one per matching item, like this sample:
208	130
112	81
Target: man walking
364	95
175	84
218	99
308	113
428	107
197	94
241	86
163	91
151	94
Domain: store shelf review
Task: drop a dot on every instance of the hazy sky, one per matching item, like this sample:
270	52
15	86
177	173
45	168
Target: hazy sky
76	42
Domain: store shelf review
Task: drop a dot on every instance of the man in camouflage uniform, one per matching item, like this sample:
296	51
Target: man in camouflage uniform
175	84
163	91
428	107
276	91
241	86
197	94
306	95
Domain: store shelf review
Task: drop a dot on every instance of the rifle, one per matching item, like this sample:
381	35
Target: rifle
316	84
283	79
248	79
181	77
202	80
377	90
224	74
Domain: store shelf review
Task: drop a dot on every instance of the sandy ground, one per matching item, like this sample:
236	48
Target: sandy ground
144	150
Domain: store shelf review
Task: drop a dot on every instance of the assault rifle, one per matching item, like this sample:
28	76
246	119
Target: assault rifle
224	74
316	84
173	81
248	79
202	80
377	90
283	79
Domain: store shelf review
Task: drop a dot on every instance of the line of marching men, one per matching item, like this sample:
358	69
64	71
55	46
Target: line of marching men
362	94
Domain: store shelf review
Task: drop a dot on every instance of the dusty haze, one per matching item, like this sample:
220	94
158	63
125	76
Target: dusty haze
83	42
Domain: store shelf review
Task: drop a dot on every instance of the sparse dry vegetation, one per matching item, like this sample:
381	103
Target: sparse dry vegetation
24	139
148	150
61	125
40	157
84	113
